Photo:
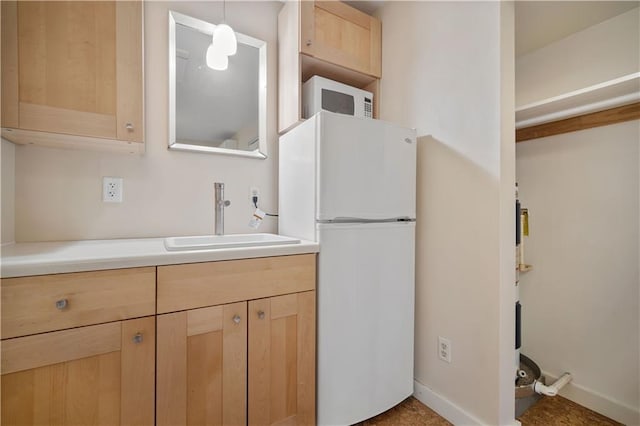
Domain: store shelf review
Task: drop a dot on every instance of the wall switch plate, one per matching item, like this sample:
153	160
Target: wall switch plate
444	349
112	189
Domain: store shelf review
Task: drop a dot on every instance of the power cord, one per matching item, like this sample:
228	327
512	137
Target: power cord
255	203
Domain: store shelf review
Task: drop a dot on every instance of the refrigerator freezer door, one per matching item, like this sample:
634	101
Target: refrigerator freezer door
365	319
366	168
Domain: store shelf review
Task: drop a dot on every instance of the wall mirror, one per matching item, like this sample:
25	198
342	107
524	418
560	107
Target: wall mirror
211	111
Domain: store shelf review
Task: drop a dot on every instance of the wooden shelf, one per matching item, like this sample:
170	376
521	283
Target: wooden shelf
314	66
610	94
60	140
586	121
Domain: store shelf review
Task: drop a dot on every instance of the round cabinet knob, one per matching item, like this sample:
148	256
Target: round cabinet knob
62	304
308	42
129	126
137	338
261	314
236	319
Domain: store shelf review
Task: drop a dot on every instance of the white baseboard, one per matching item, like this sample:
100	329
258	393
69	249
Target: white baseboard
597	402
576	393
443	406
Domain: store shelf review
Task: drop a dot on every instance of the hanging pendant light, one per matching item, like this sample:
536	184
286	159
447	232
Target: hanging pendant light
226	40
223	44
216	59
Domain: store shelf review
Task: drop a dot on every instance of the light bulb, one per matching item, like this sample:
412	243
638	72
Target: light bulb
225	38
216	59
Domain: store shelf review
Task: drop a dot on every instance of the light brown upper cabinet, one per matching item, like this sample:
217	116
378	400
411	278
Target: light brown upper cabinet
72	74
326	38
337	33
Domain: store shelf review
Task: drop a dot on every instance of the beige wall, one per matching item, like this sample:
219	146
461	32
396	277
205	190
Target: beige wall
580	302
7	196
602	52
58	192
509	359
445	73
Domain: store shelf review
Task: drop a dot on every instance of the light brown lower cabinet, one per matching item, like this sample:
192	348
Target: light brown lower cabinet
241	363
93	375
230	343
282	348
202	359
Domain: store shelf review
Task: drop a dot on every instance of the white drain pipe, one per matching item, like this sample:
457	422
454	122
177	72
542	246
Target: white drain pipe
553	389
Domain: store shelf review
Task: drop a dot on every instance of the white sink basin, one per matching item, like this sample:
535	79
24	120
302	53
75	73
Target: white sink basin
211	242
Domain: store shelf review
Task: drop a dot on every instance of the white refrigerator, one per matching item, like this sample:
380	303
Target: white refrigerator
349	183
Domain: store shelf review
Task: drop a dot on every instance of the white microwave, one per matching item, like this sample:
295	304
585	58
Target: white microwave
322	94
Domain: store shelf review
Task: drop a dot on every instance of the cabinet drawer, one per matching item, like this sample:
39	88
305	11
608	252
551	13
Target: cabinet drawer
53	302
197	285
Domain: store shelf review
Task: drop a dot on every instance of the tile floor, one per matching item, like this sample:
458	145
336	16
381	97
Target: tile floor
556	411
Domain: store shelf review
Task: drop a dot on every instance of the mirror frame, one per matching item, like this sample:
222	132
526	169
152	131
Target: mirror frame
207	28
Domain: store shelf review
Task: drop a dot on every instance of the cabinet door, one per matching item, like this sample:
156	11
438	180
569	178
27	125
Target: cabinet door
74	67
202	366
282	360
95	375
339	34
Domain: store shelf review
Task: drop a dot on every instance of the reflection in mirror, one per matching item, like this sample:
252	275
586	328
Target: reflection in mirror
215	111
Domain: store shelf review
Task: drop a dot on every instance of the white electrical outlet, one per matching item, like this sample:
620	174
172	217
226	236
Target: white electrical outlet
444	349
112	189
254	191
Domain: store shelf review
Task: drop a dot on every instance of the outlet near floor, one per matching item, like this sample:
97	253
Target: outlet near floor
112	189
444	349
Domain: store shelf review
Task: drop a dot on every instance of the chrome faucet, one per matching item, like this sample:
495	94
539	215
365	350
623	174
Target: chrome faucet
220	204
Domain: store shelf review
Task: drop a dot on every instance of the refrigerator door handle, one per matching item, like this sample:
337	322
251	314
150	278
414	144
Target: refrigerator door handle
361	220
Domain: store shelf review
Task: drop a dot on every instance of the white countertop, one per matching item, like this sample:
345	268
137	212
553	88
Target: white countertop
24	259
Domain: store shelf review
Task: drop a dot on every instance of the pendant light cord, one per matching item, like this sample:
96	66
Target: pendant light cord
224	11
